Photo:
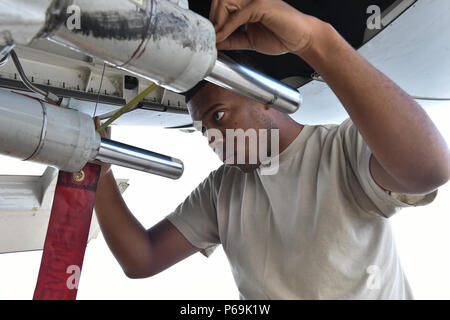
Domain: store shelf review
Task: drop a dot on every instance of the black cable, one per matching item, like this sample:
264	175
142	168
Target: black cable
51	97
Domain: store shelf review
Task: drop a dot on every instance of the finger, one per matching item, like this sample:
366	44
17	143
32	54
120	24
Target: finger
223	11
212	11
235	21
221	15
97	122
104	133
237	41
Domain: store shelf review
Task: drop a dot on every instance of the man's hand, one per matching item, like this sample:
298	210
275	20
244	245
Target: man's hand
271	26
141	253
106	167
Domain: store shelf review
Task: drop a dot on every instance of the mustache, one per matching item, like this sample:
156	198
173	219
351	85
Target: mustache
236	154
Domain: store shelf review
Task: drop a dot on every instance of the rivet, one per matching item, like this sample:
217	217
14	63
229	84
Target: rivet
79	176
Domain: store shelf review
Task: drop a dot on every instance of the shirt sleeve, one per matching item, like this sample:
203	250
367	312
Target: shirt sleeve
196	216
382	202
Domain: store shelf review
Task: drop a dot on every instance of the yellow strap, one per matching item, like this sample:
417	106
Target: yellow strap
128	106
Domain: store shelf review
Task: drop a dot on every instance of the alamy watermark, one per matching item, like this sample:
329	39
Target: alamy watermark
258	149
374	21
374	279
73	21
74	279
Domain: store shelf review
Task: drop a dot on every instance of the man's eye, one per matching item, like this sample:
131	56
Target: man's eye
218	115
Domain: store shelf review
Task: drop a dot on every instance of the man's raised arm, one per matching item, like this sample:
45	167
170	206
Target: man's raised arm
409	153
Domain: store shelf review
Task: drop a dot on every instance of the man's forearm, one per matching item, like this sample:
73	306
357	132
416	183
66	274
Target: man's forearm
125	236
400	134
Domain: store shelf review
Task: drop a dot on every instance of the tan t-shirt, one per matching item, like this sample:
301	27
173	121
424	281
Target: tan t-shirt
318	229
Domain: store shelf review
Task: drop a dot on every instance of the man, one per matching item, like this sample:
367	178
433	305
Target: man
318	228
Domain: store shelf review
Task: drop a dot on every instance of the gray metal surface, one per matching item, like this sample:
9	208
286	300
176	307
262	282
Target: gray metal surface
158	41
33	130
21	20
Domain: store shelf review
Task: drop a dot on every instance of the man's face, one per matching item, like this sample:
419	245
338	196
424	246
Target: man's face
220	110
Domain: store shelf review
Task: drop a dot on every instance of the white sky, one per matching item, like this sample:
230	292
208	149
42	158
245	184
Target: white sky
421	234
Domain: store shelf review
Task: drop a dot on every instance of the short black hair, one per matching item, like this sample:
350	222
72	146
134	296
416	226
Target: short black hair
240	56
188	95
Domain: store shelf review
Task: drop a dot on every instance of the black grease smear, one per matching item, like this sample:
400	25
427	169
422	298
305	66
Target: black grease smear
112	25
135	26
183	31
171	25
